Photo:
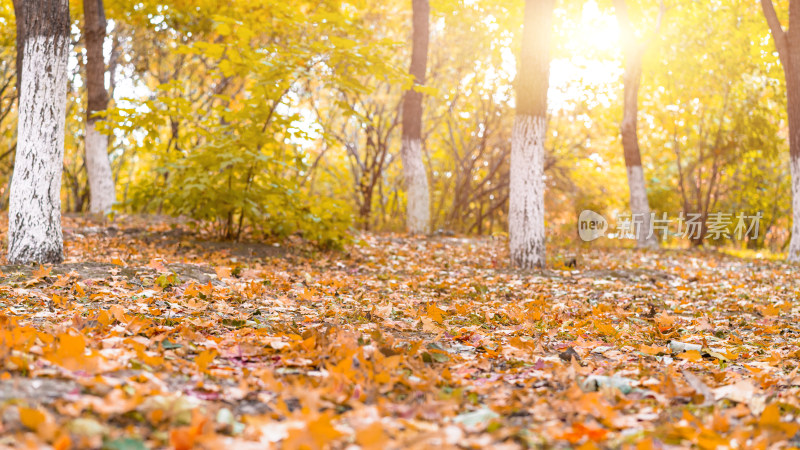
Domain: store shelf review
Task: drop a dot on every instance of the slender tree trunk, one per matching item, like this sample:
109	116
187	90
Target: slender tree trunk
640	208
788	45
98	167
365	211
526	190
418	202
34	218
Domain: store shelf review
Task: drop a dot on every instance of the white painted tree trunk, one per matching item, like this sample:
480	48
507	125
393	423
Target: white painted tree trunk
98	168
34	218
419	211
794	244
526	192
640	208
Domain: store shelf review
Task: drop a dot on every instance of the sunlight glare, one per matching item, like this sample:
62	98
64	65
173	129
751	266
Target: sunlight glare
592	59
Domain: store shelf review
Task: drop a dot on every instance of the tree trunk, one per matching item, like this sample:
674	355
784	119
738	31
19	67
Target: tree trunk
788	45
416	178
98	167
640	208
365	211
19	11
34	218
526	190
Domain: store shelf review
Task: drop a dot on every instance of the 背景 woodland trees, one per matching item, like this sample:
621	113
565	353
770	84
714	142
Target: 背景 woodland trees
34	217
252	130
713	143
98	167
416	177
787	42
526	190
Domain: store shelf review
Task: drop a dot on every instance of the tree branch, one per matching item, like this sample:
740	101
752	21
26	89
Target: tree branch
778	34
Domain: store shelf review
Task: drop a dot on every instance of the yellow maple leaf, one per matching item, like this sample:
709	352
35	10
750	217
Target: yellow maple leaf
306	295
771	415
435	313
204	359
605	328
191	290
770	311
103	317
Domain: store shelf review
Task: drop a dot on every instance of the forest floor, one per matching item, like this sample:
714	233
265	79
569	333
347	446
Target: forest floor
147	337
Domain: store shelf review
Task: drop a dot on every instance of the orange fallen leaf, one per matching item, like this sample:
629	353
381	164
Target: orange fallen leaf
651	349
62	443
605	328
204	359
32	418
434	313
691	355
580	431
70	353
118	313
372	436
665	322
322	430
42	271
185	438
223	272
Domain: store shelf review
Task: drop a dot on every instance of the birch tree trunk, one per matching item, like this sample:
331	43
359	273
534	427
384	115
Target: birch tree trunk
526	191
787	42
98	167
34	217
640	208
416	177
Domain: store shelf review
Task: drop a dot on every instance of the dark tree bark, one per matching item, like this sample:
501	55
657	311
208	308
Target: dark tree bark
526	190
98	167
416	177
787	43
19	11
632	77
34	218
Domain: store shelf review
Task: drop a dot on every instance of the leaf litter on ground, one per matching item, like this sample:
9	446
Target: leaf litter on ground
149	336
